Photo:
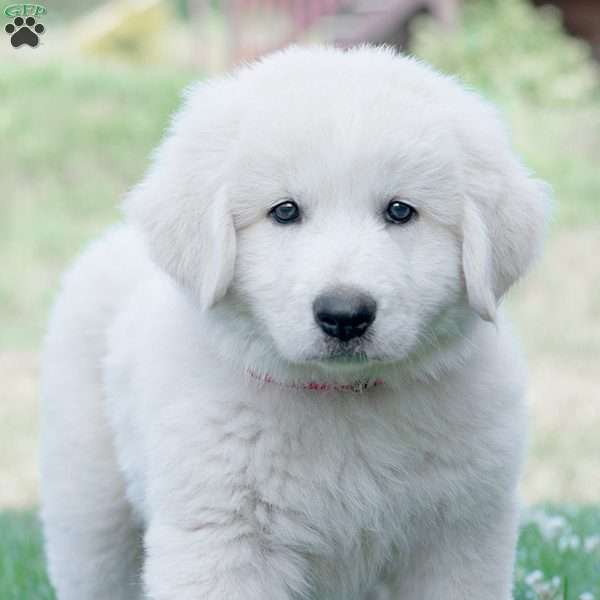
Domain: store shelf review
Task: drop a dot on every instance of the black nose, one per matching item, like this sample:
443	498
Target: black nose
344	315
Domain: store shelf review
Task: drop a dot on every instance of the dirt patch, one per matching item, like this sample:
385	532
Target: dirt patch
564	459
557	312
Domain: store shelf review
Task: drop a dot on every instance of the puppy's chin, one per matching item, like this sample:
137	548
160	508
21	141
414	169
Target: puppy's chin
342	361
344	357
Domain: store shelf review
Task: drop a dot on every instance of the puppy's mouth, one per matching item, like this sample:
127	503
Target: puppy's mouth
342	354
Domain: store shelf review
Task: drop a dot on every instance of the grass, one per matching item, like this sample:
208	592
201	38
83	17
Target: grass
558	556
22	567
80	136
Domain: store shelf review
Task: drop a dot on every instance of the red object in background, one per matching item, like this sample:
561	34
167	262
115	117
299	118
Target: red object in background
350	21
302	13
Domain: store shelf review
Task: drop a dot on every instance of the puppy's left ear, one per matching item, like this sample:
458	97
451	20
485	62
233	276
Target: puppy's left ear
182	206
504	223
194	242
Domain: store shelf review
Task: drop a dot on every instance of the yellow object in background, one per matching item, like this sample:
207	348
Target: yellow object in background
130	30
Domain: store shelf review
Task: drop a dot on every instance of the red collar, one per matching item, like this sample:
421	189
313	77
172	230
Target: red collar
314	386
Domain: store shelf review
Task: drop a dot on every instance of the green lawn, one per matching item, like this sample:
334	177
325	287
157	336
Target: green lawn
22	568
75	137
558	558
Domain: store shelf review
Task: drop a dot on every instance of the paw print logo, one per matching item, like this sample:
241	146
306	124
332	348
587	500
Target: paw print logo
24	31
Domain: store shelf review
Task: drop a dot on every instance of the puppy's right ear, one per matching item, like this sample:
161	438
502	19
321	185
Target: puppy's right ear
504	219
181	206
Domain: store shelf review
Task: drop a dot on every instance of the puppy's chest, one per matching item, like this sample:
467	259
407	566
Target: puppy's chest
347	489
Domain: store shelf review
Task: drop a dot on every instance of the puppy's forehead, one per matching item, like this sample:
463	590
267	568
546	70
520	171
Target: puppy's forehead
338	105
339	132
327	99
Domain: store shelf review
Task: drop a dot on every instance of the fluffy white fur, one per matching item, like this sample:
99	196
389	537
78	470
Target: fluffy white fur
171	474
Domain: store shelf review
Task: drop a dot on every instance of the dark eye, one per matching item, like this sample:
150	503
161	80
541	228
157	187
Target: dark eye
285	212
399	212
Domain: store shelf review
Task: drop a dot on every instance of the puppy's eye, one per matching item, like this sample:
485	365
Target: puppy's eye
399	212
285	212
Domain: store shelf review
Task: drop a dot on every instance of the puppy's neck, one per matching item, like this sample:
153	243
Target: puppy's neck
358	386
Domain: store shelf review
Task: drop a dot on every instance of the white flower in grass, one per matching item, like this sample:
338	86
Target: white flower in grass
591	543
550	526
545	591
569	542
534	577
540	588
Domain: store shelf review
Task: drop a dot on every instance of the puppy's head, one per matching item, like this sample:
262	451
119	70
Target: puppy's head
347	207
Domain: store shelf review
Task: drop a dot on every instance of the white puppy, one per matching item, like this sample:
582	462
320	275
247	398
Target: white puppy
286	377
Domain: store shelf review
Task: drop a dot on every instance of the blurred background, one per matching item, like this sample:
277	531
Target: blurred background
80	113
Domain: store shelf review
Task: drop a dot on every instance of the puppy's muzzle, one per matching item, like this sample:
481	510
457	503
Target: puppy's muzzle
344	314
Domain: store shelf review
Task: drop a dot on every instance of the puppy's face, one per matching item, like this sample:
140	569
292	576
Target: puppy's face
346	207
348	236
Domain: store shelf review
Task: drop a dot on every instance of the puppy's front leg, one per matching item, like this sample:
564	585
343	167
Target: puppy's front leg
210	535
470	559
215	563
